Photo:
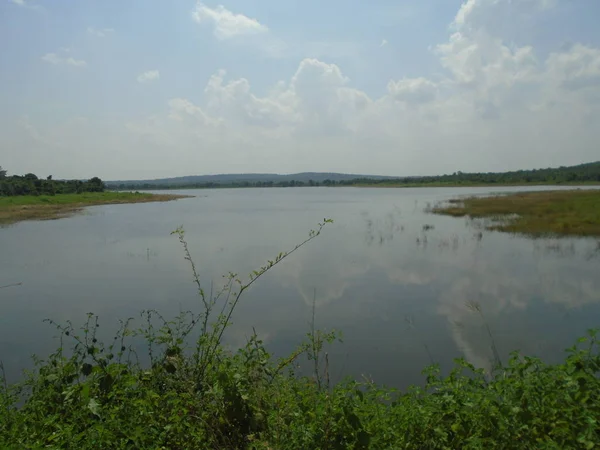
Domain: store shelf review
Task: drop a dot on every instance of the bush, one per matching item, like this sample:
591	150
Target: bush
194	393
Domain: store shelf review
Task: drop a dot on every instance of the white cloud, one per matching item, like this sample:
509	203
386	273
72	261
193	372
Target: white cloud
26	4
76	62
415	90
52	58
384	42
491	14
577	68
496	106
103	32
180	109
56	59
150	75
227	24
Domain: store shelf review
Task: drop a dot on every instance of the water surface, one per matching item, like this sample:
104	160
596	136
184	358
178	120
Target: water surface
398	293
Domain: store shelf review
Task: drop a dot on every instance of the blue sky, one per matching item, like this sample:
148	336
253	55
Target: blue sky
140	89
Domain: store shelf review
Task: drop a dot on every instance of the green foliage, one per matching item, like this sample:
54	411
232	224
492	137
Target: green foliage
211	185
195	393
42	207
70	199
30	184
580	174
560	213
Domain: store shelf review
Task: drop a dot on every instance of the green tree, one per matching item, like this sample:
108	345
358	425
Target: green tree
2	173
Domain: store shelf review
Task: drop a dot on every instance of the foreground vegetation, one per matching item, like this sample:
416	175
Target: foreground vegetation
47	207
195	393
560	213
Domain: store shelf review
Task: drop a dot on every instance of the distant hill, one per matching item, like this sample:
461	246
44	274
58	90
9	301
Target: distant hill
582	173
240	178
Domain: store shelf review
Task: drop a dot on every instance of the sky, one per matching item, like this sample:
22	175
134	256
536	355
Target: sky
138	89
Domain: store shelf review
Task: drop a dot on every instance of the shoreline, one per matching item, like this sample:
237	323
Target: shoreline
24	208
367	185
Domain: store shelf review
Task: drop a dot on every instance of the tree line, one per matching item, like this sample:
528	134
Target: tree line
584	173
31	184
214	185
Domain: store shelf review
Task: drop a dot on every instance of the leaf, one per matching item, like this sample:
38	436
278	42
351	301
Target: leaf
52	377
170	367
86	369
85	391
354	421
360	395
94	407
106	382
172	351
364	439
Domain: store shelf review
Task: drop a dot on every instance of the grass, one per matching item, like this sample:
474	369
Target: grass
196	393
46	207
536	214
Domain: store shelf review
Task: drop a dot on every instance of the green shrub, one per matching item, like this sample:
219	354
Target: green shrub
195	394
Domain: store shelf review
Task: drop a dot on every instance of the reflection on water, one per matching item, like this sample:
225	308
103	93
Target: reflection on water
398	282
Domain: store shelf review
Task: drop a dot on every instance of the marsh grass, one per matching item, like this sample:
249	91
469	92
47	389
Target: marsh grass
194	392
537	214
47	207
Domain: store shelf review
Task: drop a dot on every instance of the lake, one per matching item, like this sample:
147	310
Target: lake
398	292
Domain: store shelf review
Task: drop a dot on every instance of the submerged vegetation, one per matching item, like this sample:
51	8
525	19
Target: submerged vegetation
559	213
48	207
190	391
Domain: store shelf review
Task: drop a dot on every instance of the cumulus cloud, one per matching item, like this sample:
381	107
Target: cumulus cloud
494	106
493	94
227	24
150	75
577	68
489	14
415	90
489	108
56	59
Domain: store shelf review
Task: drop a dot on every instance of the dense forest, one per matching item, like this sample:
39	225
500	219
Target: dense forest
30	184
584	173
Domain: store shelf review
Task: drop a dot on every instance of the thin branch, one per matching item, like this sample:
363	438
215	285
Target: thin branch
255	276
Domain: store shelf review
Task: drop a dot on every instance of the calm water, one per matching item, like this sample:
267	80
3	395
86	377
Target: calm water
390	287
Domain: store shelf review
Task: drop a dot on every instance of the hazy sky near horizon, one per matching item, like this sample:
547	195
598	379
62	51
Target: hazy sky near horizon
133	89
